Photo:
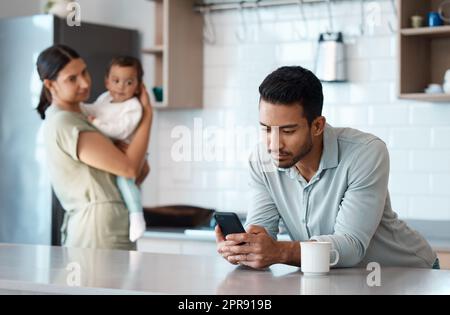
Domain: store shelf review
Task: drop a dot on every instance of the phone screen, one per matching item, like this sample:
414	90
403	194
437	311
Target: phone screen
229	223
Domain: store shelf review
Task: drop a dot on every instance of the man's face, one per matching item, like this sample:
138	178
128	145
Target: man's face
286	132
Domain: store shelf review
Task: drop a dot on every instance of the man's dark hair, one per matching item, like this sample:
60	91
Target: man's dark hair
294	86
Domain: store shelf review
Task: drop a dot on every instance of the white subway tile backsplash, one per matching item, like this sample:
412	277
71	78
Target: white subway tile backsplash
394	115
400	160
382	69
335	94
431	161
369	47
295	53
400	206
430	114
441	137
351	116
440	184
430	208
358	70
221	56
369	93
410	138
409	183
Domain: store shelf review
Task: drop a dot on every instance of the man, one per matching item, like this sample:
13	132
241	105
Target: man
329	184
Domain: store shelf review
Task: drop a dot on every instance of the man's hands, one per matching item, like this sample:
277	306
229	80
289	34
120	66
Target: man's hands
259	251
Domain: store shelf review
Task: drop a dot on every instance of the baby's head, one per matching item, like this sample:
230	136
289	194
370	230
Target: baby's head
124	78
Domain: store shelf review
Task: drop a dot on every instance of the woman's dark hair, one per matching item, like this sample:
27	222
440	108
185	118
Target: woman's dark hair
128	61
294	86
49	63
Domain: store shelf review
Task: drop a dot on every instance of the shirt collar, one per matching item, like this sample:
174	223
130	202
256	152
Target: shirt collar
330	152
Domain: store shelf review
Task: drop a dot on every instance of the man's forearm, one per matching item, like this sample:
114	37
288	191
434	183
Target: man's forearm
289	253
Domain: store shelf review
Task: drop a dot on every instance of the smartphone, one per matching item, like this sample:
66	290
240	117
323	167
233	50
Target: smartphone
229	223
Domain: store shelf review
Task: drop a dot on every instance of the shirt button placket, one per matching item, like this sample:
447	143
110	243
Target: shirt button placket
305	208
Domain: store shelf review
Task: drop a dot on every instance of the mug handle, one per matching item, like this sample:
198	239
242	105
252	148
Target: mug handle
336	260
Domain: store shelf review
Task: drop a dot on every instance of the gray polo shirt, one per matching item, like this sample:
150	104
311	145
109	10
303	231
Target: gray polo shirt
346	203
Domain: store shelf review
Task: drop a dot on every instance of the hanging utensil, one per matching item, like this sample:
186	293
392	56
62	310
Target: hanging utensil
330	60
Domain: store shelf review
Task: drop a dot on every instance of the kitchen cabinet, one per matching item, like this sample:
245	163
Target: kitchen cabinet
423	55
178	54
444	259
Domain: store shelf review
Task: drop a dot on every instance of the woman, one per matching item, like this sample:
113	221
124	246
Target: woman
82	162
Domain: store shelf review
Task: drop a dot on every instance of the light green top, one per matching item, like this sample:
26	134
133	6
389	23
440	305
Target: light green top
346	203
96	216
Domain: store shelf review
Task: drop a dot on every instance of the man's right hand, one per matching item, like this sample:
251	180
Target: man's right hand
222	245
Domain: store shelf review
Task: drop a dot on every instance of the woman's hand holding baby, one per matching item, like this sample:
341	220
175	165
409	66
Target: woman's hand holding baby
144	98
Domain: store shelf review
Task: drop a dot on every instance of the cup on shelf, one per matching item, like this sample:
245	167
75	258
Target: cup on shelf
434	88
158	92
447	76
434	19
446	85
416	21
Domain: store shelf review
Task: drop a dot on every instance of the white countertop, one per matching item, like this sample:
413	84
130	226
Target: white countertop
42	270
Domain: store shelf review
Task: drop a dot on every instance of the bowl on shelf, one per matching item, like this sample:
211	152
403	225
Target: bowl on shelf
434	88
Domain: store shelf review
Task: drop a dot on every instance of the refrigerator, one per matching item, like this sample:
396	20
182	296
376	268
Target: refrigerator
29	211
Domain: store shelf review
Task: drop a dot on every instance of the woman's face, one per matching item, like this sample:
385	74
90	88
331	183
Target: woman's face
73	84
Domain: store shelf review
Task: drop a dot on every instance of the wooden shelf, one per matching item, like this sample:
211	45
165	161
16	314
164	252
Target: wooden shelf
426	97
423	52
156	50
178	54
440	31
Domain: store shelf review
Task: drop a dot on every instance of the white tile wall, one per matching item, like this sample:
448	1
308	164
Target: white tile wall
417	134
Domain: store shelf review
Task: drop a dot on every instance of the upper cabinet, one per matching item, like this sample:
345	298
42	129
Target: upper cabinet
178	55
424	55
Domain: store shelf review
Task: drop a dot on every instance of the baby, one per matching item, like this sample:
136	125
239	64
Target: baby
117	113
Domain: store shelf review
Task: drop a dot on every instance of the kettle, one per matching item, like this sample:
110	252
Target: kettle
330	59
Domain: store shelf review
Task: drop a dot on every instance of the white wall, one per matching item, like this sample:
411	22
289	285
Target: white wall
417	133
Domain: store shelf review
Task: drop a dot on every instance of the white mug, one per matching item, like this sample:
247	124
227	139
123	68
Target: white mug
315	258
447	76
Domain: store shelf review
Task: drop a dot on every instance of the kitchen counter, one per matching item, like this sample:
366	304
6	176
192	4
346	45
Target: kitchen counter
59	270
